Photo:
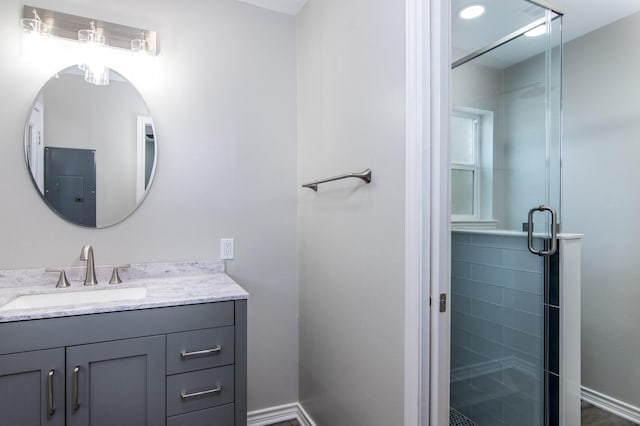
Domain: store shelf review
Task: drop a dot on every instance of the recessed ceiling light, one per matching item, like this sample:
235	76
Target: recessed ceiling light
537	31
471	12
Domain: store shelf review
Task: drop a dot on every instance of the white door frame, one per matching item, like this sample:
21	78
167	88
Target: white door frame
141	155
427	233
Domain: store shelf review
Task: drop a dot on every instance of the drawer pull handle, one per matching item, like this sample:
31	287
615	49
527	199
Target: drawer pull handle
215	350
51	408
202	393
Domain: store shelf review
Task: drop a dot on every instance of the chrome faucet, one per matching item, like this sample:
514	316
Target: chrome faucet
87	254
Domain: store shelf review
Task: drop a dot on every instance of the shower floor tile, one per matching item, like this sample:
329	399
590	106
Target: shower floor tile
458	419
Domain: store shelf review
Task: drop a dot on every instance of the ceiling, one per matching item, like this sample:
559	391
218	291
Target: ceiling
504	17
581	16
290	7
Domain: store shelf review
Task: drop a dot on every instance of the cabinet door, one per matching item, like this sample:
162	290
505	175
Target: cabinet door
121	382
32	388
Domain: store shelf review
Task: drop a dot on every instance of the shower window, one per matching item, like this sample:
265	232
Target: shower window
471	164
465	169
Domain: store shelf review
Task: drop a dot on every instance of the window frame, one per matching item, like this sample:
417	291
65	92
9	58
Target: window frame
475	167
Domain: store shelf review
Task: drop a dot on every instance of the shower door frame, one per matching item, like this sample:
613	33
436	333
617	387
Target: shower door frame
427	211
551	14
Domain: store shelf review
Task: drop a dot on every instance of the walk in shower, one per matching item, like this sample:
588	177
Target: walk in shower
505	204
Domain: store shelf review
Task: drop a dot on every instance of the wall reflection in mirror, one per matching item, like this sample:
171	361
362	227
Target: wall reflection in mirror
91	150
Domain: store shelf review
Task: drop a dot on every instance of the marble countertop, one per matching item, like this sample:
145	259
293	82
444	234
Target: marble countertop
167	284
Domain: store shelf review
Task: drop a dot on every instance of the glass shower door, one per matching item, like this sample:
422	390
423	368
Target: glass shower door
505	174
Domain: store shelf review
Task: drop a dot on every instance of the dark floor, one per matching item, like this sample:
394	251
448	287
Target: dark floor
591	416
594	416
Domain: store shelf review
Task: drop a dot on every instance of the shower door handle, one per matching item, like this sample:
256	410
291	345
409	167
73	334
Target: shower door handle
554	231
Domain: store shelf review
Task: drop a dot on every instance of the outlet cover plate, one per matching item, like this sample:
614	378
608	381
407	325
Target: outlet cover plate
226	248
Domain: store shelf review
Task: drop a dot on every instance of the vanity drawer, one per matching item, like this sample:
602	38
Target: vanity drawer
217	416
199	349
200	389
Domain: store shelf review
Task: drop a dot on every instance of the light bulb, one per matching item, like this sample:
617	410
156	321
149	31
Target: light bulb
92	57
471	12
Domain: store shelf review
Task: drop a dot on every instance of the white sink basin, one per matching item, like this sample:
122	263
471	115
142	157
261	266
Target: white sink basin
64	298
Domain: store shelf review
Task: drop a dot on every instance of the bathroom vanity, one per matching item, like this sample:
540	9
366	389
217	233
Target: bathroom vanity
176	356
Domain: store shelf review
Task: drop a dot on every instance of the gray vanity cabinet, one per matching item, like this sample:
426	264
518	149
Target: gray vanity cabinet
179	366
116	383
109	383
32	388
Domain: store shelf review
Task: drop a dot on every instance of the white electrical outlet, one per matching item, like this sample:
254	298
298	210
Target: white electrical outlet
226	248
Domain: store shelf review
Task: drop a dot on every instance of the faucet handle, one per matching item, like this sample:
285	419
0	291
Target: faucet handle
62	279
115	276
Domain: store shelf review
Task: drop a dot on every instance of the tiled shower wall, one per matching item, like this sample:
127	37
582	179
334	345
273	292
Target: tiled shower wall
497	329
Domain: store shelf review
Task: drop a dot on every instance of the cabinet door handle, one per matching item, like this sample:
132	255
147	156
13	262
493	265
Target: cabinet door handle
215	350
184	395
75	405
51	408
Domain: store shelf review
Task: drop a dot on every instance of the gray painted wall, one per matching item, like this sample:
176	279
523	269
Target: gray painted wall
601	91
351	103
516	95
530	145
223	99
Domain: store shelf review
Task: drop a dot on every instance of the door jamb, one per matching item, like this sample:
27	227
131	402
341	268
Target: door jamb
427	229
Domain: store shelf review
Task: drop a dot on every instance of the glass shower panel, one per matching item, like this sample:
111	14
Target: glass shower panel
498	327
501	18
523	98
497	330
521	158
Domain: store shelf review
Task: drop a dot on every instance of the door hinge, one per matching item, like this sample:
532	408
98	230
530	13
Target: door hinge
443	302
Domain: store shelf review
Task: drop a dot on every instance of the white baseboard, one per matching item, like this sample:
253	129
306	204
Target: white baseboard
281	413
612	405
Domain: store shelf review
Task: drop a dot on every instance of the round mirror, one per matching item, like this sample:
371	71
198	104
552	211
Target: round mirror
91	150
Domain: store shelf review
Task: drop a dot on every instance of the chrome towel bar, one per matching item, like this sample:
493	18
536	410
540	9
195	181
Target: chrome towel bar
364	175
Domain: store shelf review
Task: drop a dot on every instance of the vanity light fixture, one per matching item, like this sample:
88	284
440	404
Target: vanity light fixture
93	36
471	12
